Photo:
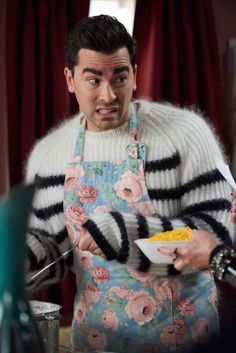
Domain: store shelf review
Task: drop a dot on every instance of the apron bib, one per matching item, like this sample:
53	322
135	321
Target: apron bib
117	308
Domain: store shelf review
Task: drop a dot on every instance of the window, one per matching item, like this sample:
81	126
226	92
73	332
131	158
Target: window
123	10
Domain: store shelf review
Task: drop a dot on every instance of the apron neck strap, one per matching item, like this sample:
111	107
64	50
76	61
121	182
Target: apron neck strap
133	124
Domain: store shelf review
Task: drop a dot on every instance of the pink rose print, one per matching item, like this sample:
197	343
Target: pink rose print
141	276
149	348
97	340
85	259
110	320
100	274
186	307
181	331
145	208
131	187
141	307
119	292
92	293
102	209
74	173
213	299
87	193
75	214
80	311
178	333
133	132
200	331
167	337
172	289
162	295
116	161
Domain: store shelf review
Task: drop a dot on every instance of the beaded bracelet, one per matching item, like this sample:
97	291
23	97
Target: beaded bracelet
220	260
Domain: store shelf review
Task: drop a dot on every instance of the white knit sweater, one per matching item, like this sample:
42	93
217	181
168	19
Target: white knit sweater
182	180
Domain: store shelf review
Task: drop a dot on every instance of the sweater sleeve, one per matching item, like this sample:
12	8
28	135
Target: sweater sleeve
47	235
203	196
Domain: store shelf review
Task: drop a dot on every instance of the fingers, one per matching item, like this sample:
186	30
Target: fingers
167	251
87	243
182	258
180	264
233	208
98	251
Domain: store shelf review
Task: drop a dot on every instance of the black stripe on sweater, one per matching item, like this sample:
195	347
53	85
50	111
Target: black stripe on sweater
163	164
45	213
210	177
143	232
166	224
70	259
176	193
38	233
171	271
211	205
189	222
218	228
60	236
101	241
165	194
52	270
52	180
34	264
124	250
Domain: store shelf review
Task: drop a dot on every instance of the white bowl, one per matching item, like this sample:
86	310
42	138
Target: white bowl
152	252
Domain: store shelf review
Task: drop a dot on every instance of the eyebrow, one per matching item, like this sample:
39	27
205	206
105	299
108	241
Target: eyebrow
116	70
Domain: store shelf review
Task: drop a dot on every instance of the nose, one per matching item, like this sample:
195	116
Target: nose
107	93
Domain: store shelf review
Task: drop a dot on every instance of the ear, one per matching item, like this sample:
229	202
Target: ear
69	79
135	76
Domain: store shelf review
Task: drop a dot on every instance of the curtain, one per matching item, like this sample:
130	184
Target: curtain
36	88
37	96
231	97
4	162
178	57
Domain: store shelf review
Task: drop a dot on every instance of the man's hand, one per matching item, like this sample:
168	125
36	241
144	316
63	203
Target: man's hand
86	242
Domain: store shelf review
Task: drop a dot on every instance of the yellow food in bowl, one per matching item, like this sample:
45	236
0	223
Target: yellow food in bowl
181	234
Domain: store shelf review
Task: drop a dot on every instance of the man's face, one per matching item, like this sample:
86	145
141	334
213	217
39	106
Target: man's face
103	85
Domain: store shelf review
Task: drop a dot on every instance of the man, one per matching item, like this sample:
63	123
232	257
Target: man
118	171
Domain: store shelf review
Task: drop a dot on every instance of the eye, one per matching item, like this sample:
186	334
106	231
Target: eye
120	80
93	81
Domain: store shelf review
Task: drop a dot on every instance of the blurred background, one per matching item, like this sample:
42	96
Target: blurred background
186	56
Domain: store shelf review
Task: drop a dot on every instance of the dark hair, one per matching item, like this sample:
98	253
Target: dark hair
101	33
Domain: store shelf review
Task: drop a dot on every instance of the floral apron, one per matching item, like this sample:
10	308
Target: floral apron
117	308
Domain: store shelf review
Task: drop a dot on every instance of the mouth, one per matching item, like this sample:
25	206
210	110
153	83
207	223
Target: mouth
106	111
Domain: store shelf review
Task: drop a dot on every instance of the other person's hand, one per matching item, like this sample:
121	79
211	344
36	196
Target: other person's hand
233	208
197	253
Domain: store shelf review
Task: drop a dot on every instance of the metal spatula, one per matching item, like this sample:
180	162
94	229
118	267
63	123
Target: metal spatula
51	264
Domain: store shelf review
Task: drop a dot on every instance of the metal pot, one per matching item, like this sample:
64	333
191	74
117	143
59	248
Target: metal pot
48	319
